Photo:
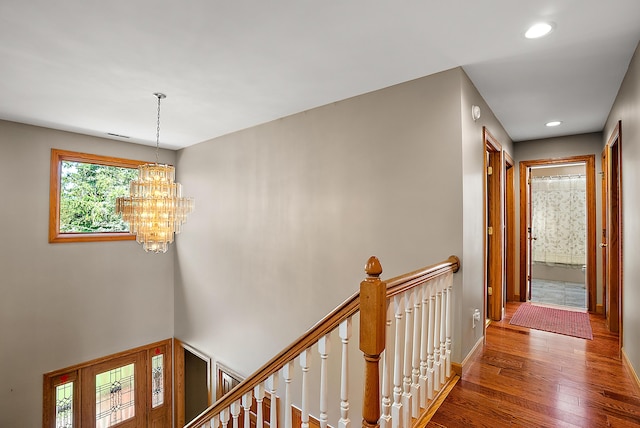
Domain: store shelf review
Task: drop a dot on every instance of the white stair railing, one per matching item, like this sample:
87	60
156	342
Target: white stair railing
404	321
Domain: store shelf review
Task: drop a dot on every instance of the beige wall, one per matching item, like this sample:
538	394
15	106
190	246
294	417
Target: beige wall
472	154
62	304
560	147
627	109
289	211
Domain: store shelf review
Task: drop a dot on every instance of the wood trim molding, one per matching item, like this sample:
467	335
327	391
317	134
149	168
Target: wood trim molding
510	227
523	177
437	402
57	157
178	382
110	357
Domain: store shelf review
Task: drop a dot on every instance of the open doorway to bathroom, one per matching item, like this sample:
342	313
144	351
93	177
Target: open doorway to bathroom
559	235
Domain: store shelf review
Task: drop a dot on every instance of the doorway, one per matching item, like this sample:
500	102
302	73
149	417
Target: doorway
192	382
494	226
542	257
611	244
558	232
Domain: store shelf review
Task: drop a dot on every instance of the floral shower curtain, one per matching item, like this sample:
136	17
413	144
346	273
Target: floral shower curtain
559	219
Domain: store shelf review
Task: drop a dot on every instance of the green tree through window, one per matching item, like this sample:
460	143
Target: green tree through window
88	195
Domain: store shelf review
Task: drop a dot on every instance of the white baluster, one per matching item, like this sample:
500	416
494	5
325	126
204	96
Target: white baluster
424	298
305	362
224	417
247	400
324	347
272	387
344	331
235	412
406	380
385	418
396	407
287	373
215	421
436	340
430	357
448	322
258	392
443	332
415	363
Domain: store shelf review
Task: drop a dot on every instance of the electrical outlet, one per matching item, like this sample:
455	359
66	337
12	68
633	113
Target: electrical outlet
476	317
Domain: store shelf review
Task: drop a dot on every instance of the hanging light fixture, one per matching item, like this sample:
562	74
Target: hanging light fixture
155	208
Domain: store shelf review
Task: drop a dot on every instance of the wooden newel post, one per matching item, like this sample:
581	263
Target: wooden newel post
373	309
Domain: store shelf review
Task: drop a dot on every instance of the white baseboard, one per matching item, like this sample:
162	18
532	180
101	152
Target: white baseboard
629	366
459	368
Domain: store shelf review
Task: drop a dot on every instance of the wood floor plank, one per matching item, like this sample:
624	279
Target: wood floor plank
531	378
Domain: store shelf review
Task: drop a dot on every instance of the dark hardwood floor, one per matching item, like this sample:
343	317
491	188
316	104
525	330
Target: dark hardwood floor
532	378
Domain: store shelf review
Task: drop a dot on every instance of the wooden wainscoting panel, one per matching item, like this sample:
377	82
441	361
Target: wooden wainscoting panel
297	418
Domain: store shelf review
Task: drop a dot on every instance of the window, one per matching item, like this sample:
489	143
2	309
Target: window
82	193
157	380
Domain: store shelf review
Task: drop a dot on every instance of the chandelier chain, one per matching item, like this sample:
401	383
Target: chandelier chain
158	130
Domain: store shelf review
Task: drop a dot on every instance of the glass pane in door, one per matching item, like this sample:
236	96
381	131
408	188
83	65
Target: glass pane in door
115	396
64	405
157	379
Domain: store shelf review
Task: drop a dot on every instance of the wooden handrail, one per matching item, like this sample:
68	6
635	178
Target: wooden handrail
406	281
345	310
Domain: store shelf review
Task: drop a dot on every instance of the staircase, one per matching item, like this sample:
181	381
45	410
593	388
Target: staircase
404	332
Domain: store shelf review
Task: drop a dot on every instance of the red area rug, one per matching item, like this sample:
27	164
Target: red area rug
567	322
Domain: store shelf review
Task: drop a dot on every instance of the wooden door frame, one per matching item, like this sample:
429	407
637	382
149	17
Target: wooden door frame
510	224
493	218
591	277
179	349
614	225
603	223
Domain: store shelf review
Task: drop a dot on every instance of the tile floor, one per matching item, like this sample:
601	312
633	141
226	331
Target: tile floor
558	293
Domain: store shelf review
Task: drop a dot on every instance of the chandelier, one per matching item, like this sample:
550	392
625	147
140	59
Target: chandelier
155	208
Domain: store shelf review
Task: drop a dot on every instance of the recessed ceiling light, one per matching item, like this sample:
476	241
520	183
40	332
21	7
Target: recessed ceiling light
553	123
538	30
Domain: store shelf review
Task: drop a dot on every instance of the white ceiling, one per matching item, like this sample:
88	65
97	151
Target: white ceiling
92	66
